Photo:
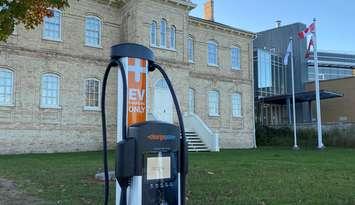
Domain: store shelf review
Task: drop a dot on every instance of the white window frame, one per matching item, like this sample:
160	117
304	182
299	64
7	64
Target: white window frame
190	49
213	43
163	33
88	107
153	40
191	100
236	105
11	103
173	37
56	106
60	27
238	58
215	112
100	32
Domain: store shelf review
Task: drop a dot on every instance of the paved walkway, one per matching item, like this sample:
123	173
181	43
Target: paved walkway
9	195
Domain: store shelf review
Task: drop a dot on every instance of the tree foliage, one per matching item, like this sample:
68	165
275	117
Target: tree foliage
30	13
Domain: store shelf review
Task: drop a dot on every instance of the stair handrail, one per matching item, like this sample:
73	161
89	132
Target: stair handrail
195	123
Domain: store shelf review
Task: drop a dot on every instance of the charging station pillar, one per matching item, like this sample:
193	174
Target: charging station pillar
136	71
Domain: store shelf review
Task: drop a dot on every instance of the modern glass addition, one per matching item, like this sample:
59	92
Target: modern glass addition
328	73
264	69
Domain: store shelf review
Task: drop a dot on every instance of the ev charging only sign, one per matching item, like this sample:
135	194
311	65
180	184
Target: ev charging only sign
137	76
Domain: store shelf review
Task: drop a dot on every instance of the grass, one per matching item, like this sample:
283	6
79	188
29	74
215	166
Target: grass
263	176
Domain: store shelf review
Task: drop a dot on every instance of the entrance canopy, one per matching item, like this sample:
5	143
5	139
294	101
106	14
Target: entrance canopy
305	96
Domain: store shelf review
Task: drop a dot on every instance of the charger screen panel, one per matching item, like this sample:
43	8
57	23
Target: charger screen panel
158	168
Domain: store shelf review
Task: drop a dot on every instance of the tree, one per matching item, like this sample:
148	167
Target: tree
30	13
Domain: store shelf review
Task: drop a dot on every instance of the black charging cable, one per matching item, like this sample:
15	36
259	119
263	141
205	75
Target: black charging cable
183	145
124	183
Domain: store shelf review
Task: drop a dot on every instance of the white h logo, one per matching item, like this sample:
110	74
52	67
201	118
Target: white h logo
137	69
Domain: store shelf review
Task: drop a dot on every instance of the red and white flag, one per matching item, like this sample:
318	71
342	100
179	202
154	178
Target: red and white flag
308	52
311	29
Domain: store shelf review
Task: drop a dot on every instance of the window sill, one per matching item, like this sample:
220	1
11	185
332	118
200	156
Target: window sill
235	69
237	117
191	62
163	48
212	116
213	65
50	107
52	40
7	105
93	46
87	108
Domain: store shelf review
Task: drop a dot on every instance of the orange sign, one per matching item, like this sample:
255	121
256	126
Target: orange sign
137	75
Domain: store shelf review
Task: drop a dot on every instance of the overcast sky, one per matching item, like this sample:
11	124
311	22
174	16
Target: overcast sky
335	26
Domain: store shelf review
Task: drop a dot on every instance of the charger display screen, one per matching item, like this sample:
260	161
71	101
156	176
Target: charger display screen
158	168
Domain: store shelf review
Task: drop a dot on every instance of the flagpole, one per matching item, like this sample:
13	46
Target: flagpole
319	119
295	146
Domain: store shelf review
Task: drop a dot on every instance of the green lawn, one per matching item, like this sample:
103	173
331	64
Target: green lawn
263	176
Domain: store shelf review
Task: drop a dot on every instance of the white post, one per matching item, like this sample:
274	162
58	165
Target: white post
295	146
319	119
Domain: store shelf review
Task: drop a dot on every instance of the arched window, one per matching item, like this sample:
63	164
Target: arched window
236	105
173	37
92	31
212	53
6	87
153	33
235	58
92	93
52	26
191	102
50	84
190	49
163	26
213	103
161	84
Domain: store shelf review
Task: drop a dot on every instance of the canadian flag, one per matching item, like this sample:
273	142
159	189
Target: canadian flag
308	52
311	29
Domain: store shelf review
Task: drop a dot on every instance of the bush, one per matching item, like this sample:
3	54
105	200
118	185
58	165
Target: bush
337	137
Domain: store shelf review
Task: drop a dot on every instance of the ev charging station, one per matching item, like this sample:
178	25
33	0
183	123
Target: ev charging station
151	156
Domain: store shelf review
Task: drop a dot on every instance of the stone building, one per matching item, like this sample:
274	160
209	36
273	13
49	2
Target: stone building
50	77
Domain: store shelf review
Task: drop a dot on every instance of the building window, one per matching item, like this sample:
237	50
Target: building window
92	31
6	87
213	103
191	100
52	26
92	94
173	37
264	69
236	105
163	25
235	58
190	49
212	53
50	91
153	33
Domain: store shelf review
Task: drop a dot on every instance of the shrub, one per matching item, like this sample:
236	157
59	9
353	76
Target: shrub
307	137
